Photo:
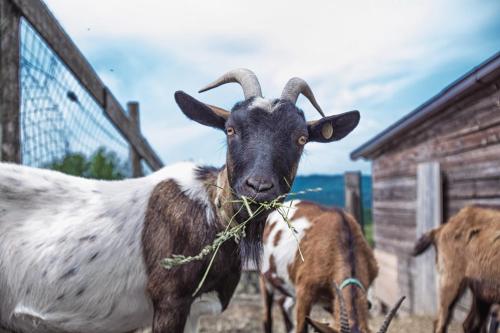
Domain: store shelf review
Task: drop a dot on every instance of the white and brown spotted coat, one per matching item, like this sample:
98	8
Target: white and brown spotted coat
80	255
334	249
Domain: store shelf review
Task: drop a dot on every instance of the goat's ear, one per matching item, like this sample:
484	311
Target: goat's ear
200	112
332	128
320	327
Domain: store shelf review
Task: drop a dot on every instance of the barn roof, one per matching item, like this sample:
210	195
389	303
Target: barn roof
474	79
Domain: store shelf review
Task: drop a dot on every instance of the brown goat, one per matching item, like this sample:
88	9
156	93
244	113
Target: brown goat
468	255
335	253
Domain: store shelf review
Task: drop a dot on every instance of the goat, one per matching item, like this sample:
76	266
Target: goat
79	255
334	249
468	255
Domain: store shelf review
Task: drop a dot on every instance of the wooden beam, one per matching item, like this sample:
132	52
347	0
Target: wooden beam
429	216
118	117
352	190
135	159
44	22
10	140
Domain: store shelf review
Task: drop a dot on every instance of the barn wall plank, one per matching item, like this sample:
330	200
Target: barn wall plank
403	233
473	188
397	193
429	216
386	284
406	219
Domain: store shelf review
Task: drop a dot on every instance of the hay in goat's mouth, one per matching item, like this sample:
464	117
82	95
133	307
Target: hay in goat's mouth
237	232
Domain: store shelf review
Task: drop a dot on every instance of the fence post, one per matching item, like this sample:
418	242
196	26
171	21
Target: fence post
352	190
135	158
10	141
429	215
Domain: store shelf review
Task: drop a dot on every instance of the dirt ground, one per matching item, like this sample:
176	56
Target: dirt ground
244	316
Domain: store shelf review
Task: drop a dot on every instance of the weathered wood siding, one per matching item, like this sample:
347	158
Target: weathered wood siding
429	216
465	140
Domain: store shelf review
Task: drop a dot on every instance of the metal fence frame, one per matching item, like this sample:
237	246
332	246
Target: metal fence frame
44	22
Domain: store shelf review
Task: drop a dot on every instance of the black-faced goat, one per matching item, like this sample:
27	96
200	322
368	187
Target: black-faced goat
79	255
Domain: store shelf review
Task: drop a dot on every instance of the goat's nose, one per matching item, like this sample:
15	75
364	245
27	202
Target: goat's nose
258	184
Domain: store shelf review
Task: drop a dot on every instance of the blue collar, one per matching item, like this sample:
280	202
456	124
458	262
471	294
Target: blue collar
352	281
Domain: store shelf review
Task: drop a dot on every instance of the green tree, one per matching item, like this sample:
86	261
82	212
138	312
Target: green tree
101	165
105	165
72	164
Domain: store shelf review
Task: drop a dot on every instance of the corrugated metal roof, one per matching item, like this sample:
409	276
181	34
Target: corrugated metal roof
478	76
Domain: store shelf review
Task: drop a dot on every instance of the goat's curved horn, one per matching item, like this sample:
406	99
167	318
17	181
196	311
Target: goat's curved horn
245	77
296	86
344	320
391	315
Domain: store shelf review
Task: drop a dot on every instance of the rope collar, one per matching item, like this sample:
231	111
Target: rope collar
352	281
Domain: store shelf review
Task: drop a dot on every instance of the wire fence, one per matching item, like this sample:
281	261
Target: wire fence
58	117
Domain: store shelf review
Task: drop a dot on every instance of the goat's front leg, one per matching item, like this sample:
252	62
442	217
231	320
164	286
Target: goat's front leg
286	306
171	302
449	291
303	308
170	315
469	322
478	316
267	297
483	310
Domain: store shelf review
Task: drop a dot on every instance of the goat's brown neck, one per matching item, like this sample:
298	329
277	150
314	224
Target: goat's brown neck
229	210
221	195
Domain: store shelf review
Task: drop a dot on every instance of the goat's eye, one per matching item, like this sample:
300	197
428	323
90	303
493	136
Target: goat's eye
230	131
302	140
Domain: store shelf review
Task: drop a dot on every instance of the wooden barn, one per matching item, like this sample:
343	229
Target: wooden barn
440	157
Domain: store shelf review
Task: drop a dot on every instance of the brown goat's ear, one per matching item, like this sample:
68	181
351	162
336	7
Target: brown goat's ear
423	243
320	327
200	112
332	128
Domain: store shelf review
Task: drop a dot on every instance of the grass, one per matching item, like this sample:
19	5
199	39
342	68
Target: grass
369	234
368	225
236	232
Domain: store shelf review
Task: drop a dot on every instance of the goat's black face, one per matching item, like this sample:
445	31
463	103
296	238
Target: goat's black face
265	141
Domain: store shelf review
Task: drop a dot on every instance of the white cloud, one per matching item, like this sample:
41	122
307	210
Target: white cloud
167	138
353	53
328	41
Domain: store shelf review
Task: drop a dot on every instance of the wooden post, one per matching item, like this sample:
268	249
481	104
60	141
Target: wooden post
135	158
10	141
352	189
429	216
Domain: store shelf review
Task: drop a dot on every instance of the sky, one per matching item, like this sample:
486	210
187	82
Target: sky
383	58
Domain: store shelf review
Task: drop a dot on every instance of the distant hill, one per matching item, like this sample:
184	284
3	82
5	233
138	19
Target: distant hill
332	193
